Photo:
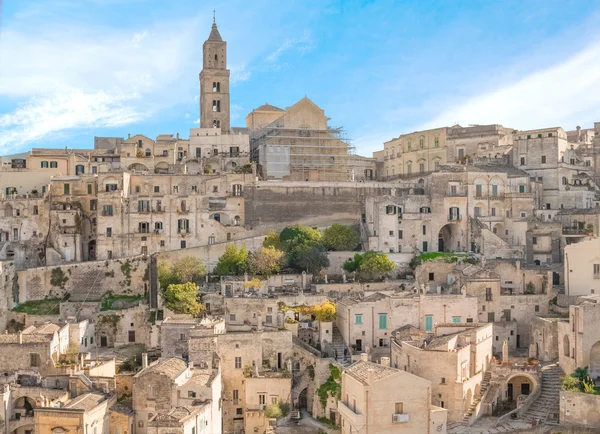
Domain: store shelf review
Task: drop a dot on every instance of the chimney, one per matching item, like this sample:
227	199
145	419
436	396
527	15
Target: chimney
364	357
385	361
177	136
370	377
129	135
144	360
191	365
20	338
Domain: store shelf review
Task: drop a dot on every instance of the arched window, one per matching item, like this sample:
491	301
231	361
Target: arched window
218	87
214	86
148	152
215	123
409	144
53	164
436	142
218	105
421	142
216	58
217	217
44	164
236	220
79	169
564	180
214	105
409	168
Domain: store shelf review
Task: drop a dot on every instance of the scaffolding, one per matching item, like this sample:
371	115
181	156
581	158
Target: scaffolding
308	153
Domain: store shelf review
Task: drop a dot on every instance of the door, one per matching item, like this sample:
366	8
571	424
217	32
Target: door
103	341
131	335
279	360
518	341
440	244
510	392
524	388
359	345
555	279
428	323
332	416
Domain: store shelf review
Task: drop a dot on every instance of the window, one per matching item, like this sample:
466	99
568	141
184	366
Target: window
400	234
79	169
44	164
183	226
183	244
390	209
211	239
456	319
543	159
478	190
94	170
236	396
494	212
261	399
539	136
35	210
111	187
143	206
470	320
421	142
523	215
409	144
156	189
537	307
408	169
53	165
425	246
239	411
424	230
232	317
443	380
358	319
488	294
428	324
107	210
522	161
495	190
421	168
238	363
383	321
269	319
436	142
596	271
534	240
436	165
453	213
108	232
431	277
34	360
67	188
391	233
522	188
549	134
131	335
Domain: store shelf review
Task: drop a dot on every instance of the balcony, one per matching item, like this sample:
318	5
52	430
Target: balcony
158	209
575	231
355	419
458	193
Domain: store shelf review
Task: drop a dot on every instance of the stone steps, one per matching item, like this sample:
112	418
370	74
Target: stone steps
547	403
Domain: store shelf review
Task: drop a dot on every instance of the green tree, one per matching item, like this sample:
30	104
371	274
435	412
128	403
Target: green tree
353	264
233	262
272	240
312	259
266	261
189	269
295	238
183	298
341	238
375	264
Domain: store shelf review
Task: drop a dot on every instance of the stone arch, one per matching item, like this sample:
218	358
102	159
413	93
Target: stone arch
450	238
566	346
519	384
480	208
468	399
8	210
595	360
138	167
499	230
162	167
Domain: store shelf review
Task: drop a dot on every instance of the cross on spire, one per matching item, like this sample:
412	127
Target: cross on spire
214	17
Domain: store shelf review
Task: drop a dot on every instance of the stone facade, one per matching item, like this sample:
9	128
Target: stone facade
579	339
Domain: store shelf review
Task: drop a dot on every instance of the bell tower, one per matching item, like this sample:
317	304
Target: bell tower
214	83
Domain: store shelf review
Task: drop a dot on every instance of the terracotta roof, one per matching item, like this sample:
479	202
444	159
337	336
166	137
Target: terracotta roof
171	367
86	402
360	371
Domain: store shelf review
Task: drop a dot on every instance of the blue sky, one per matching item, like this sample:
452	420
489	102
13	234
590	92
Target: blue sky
74	69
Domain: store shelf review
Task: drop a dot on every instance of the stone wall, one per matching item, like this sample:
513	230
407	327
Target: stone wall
84	281
282	203
7	284
579	409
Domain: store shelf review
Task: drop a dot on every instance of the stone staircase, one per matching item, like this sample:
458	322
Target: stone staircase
85	286
338	345
485	384
546	407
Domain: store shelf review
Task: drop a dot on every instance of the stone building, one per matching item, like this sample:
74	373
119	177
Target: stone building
170	390
299	144
190	338
367	324
468	143
582	268
455	365
244	357
381	399
579	338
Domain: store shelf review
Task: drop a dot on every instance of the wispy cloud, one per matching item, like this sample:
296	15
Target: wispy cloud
60	81
560	95
239	74
236	111
303	44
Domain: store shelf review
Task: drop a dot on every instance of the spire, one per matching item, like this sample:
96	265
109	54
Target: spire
214	36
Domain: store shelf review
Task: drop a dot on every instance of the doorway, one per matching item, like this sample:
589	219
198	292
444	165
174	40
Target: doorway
509	392
359	345
103	341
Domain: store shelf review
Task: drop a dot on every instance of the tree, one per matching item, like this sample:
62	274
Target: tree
341	238
325	312
311	258
233	262
376	264
189	269
296	237
353	264
266	261
183	298
272	240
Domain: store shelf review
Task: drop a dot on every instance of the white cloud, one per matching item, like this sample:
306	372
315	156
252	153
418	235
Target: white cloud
236	111
560	95
239	74
53	82
302	44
